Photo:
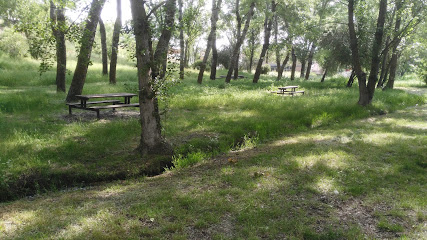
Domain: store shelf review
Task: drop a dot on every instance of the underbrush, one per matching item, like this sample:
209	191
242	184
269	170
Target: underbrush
43	149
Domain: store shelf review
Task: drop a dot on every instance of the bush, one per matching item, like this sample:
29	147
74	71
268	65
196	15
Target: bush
197	64
265	69
12	43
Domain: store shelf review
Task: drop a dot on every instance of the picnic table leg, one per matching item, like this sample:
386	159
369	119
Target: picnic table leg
97	114
69	110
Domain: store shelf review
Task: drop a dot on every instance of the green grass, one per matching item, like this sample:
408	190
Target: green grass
353	180
42	149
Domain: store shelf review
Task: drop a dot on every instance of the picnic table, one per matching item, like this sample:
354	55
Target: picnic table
95	106
290	90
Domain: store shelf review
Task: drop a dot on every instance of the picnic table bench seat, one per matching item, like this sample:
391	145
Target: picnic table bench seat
94	102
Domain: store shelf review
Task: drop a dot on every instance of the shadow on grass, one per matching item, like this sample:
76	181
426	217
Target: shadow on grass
324	184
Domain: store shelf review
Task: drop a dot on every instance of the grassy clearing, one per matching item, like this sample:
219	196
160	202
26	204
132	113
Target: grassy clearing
43	149
353	180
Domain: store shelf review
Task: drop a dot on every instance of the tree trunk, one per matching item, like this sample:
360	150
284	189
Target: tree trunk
115	43
214	19
383	65
351	79
58	28
301	75
205	59
324	75
366	92
276	43
186	54
161	53
181	43
376	48
238	35
83	59
267	32
239	42
310	61
214	50
283	65
394	56
151	141
103	47
294	63
252	41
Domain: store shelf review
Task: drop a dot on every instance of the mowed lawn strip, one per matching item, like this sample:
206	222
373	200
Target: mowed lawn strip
362	178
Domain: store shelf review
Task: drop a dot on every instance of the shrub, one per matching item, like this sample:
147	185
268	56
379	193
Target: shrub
197	64
13	43
265	69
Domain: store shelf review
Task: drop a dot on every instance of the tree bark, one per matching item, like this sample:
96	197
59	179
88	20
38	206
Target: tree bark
238	35
267	33
324	75
83	58
294	63
376	48
366	92
383	65
301	75
151	141
310	61
58	22
103	47
276	43
115	43
351	79
239	42
394	56
283	65
181	42
214	50
161	53
252	41
214	19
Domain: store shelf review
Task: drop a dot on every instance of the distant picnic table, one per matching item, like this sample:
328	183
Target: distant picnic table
95	106
290	90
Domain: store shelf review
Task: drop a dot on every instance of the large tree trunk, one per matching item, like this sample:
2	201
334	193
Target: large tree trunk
214	19
294	63
214	50
181	42
310	61
152	141
239	42
366	92
394	56
283	65
267	33
103	47
161	54
115	43
58	28
83	59
376	48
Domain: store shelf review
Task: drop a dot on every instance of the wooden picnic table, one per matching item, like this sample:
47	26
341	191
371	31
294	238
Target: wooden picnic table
291	90
97	105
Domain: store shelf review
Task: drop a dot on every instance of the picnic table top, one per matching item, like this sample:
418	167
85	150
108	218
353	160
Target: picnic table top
287	87
86	97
